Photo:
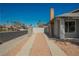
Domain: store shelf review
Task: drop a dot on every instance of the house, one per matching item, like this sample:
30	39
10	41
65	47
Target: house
67	25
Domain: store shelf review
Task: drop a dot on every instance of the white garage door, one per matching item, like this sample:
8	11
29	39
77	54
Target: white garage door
36	30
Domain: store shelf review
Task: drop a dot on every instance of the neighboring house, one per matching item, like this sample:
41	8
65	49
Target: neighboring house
2	28
67	25
12	28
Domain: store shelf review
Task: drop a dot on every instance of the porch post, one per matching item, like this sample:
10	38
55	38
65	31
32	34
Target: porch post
62	29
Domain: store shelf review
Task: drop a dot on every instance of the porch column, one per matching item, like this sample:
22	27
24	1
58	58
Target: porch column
62	29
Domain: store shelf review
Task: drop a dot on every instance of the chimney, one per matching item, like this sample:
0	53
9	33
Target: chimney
51	21
51	13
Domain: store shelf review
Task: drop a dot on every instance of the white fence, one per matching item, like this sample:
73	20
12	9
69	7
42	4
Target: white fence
36	30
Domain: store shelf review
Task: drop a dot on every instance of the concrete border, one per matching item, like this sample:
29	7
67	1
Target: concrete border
55	50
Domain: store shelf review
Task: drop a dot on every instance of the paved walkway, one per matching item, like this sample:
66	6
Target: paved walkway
40	46
36	45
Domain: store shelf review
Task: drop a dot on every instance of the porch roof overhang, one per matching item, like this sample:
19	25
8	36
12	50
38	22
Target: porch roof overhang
69	15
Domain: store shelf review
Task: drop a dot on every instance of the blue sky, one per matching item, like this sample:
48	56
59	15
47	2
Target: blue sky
32	13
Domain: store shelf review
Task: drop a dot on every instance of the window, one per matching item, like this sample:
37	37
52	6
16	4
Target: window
70	26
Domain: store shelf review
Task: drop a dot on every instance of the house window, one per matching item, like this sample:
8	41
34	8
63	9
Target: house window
70	26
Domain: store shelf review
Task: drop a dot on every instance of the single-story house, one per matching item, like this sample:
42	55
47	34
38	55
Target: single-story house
67	25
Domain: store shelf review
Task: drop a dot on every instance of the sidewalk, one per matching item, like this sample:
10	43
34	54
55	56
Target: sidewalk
13	46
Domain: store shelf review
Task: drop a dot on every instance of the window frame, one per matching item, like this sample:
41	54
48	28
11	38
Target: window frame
68	26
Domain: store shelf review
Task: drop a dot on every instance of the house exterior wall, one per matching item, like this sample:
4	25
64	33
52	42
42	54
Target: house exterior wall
57	28
62	29
77	23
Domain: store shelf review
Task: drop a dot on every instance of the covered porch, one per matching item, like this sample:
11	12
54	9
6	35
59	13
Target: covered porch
66	27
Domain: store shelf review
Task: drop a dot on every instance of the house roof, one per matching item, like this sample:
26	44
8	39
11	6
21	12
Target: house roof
74	13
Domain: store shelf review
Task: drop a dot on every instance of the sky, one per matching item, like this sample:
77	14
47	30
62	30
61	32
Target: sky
31	13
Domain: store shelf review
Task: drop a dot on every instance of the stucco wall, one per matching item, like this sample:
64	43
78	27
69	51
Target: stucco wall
56	28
